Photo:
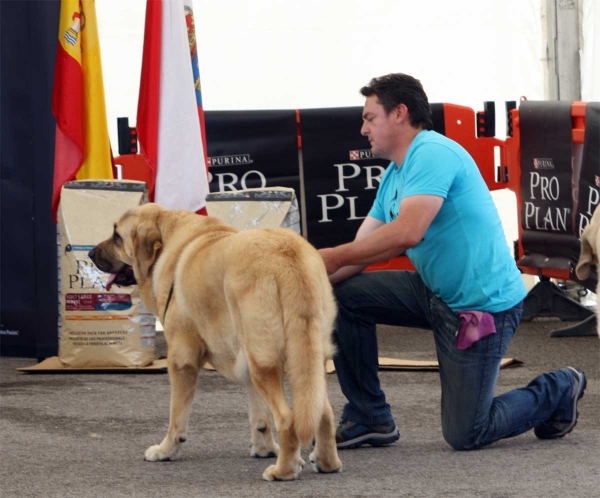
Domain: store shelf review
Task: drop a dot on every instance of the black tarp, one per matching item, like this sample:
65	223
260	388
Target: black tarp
340	174
546	169
252	149
547	190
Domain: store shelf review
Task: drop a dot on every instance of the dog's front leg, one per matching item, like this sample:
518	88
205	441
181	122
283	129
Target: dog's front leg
183	368
261	426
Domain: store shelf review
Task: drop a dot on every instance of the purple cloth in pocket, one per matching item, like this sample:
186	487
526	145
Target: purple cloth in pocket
474	325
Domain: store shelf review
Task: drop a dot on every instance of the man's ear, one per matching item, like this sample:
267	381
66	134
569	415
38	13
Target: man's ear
400	113
147	244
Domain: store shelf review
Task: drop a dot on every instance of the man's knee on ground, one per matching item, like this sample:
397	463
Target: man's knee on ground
462	440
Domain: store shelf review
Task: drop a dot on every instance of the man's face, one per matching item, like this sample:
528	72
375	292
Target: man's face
380	128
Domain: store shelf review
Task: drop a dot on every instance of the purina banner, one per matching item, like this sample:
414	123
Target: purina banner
252	149
546	170
341	176
547	188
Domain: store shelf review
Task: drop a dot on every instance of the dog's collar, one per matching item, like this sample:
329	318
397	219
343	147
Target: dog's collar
168	301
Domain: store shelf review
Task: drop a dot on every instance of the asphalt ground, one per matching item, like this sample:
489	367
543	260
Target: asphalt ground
84	435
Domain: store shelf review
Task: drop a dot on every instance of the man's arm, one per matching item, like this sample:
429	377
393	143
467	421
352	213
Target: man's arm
368	226
385	242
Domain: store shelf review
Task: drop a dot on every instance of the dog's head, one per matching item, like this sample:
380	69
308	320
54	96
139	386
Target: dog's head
129	254
590	245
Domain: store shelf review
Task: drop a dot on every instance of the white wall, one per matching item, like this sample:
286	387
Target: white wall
264	54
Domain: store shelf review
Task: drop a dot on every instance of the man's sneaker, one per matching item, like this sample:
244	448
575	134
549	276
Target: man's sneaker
351	435
563	423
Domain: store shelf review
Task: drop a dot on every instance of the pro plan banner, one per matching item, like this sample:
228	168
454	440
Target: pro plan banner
589	179
341	176
252	149
547	184
546	171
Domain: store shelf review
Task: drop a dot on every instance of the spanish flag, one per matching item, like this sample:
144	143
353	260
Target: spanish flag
169	117
82	149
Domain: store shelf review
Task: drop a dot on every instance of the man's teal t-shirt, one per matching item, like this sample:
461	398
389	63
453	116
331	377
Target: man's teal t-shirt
463	258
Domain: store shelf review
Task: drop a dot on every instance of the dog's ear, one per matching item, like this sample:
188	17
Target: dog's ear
588	254
147	244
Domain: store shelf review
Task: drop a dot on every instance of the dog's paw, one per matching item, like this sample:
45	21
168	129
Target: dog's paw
264	451
262	454
325	466
272	473
155	454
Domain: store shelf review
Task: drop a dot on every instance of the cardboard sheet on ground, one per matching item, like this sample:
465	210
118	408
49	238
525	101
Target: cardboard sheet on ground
53	365
400	364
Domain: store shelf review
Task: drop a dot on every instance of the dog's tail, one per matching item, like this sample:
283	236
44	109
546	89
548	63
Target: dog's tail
306	375
308	346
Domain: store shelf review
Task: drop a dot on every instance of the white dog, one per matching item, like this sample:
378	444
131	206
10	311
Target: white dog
590	247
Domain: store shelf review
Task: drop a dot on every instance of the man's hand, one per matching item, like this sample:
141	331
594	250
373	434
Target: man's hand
330	259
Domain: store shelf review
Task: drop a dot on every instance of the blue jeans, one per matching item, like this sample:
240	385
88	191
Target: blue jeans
471	416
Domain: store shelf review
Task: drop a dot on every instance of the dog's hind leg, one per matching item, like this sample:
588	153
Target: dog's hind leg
269	385
185	358
261	426
324	457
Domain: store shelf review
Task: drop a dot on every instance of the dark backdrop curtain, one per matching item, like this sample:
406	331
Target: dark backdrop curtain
28	267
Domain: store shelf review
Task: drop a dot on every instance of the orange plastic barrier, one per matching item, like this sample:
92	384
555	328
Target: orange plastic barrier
135	167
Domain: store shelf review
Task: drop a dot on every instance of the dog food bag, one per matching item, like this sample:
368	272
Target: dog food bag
98	328
256	208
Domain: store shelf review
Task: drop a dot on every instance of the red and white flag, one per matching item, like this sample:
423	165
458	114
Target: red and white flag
168	120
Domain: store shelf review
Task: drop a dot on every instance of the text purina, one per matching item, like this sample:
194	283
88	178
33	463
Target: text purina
238	159
356	155
543	163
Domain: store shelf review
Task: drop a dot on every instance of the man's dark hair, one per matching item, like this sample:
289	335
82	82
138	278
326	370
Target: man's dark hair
395	89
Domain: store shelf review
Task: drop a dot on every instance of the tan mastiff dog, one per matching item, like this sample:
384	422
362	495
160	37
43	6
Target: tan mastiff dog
589	254
255	304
